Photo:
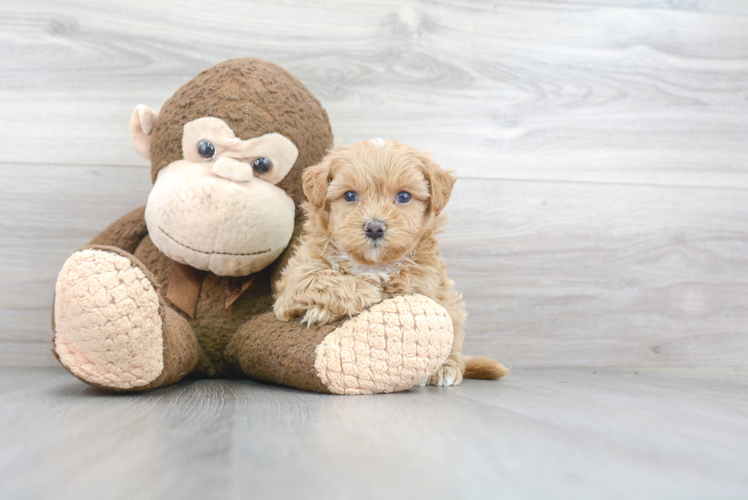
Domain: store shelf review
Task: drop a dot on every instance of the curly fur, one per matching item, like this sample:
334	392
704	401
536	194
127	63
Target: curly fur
337	271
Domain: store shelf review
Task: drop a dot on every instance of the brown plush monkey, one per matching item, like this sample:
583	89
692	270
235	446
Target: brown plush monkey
183	285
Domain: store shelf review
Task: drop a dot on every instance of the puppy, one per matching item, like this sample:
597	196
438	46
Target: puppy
373	213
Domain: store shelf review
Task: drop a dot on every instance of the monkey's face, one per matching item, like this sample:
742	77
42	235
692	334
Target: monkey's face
219	209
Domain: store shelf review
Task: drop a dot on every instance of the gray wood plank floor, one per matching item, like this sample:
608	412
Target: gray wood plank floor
540	433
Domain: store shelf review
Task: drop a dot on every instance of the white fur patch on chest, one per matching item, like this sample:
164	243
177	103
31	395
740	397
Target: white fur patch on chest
342	262
382	272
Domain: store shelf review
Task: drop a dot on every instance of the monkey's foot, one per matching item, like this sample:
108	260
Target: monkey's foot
390	347
108	323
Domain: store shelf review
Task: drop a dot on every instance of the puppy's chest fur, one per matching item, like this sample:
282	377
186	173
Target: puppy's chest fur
408	275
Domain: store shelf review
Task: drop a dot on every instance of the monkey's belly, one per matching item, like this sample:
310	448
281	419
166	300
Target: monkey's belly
213	323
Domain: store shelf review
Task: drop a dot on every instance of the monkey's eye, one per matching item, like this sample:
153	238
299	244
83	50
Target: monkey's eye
351	196
404	197
206	150
262	165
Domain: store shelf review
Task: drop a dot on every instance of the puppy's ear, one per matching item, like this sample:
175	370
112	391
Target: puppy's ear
440	182
315	181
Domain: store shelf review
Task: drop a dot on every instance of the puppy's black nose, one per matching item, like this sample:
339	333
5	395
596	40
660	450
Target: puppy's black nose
374	229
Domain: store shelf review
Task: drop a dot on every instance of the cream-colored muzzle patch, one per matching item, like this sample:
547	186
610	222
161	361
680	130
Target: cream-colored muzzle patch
216	224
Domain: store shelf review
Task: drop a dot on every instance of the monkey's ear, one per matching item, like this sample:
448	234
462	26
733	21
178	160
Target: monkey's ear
315	181
440	182
141	126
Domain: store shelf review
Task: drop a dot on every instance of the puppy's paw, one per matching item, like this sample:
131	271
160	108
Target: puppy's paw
283	311
448	374
318	314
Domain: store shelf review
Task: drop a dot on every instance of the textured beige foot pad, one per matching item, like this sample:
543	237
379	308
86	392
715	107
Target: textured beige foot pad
108	327
393	346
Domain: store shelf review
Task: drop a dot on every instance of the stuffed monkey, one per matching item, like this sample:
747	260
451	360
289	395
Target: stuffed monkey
184	285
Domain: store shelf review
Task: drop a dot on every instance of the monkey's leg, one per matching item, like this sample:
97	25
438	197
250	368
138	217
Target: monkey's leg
393	346
112	328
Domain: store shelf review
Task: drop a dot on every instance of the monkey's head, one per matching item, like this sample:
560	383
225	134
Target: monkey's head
227	151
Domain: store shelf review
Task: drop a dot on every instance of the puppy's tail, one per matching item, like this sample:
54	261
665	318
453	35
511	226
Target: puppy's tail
483	368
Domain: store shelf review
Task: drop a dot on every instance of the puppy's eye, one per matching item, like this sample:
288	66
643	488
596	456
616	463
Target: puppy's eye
206	150
262	165
350	196
404	197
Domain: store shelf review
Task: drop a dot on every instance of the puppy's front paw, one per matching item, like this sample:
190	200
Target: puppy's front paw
318	314
283	311
448	374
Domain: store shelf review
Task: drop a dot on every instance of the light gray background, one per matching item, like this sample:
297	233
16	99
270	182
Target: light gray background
600	220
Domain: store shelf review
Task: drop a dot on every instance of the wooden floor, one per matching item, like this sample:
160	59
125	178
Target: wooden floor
541	433
600	222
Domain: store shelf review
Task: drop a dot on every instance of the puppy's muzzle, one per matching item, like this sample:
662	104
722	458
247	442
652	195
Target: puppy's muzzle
374	229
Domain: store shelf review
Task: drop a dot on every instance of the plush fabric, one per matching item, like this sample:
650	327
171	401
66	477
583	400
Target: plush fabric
184	287
282	353
126	233
254	98
106	309
386	348
141	125
213	323
112	328
215	224
275	147
228	329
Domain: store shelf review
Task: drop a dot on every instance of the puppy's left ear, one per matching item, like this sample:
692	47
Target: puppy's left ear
440	182
315	181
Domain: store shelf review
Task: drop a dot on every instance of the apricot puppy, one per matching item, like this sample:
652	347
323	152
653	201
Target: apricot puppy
373	213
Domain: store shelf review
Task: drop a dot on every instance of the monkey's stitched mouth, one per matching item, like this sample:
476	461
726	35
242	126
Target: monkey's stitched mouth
209	253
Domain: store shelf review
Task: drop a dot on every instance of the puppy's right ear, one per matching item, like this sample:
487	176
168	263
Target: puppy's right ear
141	126
315	181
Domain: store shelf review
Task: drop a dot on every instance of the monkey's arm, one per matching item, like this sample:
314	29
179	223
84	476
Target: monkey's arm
282	262
124	233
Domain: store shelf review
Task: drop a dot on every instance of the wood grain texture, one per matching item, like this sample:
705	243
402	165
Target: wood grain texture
509	89
570	274
553	274
563	433
715	6
602	149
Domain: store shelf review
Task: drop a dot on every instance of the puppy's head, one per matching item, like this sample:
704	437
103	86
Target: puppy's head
377	198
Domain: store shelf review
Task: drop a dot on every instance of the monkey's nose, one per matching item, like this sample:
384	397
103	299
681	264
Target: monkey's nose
374	229
233	170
